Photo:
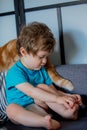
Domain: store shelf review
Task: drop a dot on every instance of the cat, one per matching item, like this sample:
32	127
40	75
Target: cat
8	56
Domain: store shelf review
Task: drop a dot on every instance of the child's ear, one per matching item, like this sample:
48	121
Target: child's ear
23	51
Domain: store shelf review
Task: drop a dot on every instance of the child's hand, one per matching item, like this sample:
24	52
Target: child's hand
67	101
76	97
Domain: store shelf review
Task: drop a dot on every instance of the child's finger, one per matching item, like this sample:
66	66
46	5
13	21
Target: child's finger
70	102
79	99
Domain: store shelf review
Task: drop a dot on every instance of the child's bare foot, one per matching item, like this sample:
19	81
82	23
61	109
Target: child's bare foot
51	124
72	113
75	113
75	116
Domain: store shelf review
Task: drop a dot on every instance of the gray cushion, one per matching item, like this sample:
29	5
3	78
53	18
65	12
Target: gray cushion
77	74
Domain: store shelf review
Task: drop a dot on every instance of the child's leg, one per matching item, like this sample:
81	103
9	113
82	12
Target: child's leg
36	109
22	116
41	104
64	112
60	109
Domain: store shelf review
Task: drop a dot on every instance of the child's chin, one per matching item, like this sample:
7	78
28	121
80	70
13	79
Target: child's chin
38	68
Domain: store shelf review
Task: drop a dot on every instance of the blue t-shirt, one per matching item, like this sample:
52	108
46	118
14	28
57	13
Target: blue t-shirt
18	74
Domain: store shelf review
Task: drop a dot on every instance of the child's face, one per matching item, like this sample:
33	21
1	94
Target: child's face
35	62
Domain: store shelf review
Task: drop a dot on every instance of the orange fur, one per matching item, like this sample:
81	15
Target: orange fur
8	56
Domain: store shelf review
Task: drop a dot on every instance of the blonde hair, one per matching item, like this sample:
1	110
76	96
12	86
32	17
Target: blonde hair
34	37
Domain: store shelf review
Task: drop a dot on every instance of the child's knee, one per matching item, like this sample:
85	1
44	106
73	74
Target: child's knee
11	110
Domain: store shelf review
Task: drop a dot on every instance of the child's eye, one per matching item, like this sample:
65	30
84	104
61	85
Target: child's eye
41	57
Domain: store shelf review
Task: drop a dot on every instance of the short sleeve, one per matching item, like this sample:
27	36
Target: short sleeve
15	77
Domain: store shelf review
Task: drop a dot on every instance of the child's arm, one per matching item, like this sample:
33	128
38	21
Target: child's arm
43	95
75	97
47	88
36	92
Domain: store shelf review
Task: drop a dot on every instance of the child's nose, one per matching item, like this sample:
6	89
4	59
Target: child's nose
44	60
